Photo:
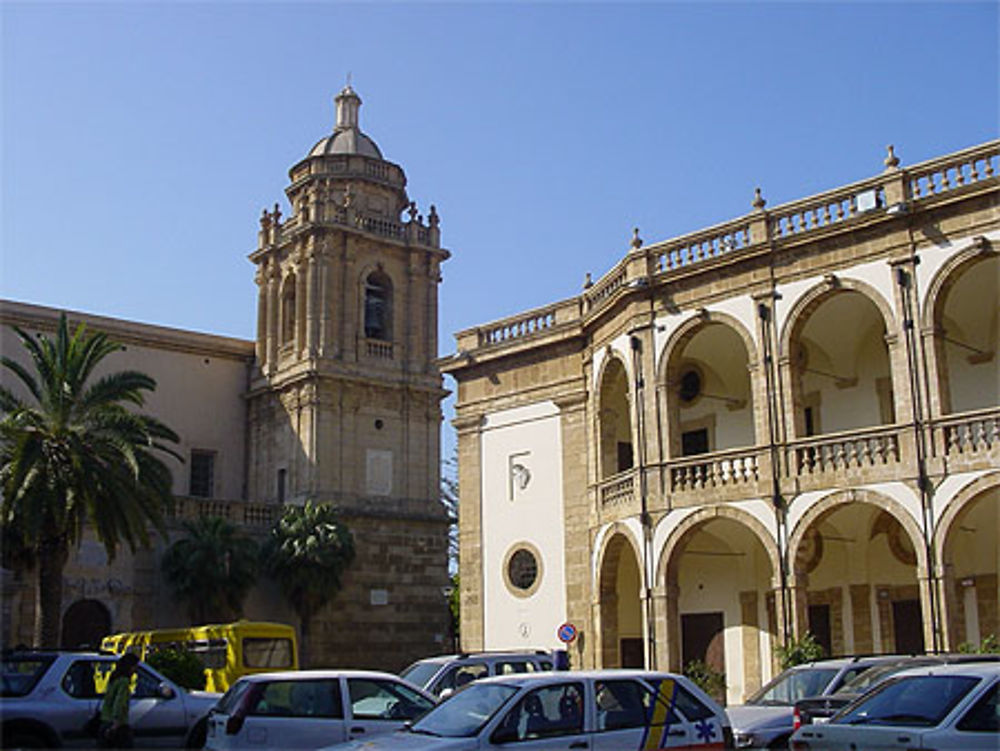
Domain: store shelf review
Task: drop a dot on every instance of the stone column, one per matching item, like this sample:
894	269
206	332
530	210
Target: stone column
660	607
272	316
312	299
673	628
470	530
861	618
260	350
750	643
301	305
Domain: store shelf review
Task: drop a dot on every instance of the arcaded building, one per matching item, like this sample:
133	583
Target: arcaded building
336	400
786	422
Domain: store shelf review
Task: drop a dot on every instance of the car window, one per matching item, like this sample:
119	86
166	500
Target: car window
20	674
231	699
80	680
145	685
793	685
850	674
625	704
465	713
316	698
915	701
460	675
420	673
984	717
375	699
509	667
690	705
544	713
260	652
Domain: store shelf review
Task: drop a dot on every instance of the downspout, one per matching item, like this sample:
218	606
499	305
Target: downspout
906	282
636	345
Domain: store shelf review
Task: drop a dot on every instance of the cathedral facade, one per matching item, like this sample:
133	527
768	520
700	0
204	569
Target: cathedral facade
337	400
785	423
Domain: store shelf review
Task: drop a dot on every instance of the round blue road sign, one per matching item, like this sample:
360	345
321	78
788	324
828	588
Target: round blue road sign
566	633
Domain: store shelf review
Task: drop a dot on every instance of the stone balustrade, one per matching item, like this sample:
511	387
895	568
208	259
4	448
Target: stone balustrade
826	209
613	281
376	349
951	172
619	490
969	440
534	322
719	469
701	246
254	515
865	449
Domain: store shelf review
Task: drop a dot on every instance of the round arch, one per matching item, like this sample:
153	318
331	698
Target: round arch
85	623
877	500
690	524
619	600
686	331
961	501
812	298
946	276
616	529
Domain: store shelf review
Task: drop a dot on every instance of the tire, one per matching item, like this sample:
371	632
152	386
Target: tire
23	739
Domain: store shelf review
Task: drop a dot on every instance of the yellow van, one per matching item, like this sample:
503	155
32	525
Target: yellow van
228	650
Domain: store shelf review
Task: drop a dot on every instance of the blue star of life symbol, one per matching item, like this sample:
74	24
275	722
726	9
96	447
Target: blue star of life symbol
705	730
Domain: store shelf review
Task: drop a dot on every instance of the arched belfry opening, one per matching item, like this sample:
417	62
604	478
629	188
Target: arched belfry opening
378	306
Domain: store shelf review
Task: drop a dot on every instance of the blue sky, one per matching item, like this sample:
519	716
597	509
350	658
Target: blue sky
141	140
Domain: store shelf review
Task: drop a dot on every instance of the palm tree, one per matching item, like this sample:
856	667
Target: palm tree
212	569
76	452
307	551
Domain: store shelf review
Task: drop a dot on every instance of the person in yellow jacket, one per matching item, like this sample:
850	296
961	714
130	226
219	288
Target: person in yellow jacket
115	730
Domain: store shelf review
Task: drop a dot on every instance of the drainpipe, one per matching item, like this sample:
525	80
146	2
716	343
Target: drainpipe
906	282
766	319
636	345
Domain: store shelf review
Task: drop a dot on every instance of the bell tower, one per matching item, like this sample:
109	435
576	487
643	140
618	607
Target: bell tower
344	402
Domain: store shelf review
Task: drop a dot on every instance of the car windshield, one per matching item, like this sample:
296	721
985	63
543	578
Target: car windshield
420	673
793	685
916	701
463	714
862	682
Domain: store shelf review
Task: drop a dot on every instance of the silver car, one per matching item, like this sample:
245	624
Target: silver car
601	710
49	696
306	709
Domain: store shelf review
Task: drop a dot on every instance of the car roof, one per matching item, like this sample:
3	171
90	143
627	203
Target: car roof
976	669
487	655
306	675
840	662
562	676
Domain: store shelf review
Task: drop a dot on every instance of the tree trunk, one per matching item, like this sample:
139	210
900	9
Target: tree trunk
305	618
52	556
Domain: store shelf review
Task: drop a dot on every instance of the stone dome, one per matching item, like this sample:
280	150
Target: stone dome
347	137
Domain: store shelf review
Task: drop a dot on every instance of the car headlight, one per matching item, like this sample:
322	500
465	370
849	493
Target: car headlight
742	740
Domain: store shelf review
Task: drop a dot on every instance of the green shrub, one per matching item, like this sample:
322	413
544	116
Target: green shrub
708	679
798	651
182	667
989	645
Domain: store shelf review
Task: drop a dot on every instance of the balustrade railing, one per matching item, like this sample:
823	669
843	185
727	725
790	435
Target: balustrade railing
240	512
611	283
618	490
702	246
840	452
969	433
951	172
525	325
826	209
377	349
716	470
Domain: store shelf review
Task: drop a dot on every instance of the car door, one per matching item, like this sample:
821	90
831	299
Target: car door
83	687
978	727
380	705
294	714
549	717
157	720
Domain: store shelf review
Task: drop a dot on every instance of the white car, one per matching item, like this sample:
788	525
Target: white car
306	709
939	707
599	710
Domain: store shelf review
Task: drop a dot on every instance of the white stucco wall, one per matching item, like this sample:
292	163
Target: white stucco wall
533	515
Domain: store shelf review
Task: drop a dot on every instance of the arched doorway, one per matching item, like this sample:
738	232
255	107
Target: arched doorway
720	612
856	585
85	624
620	605
971	559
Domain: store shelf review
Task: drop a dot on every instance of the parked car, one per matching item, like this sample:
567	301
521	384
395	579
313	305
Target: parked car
599	710
940	707
816	709
307	709
767	719
447	673
48	697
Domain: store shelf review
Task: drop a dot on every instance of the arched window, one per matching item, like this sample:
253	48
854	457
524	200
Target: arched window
288	311
378	306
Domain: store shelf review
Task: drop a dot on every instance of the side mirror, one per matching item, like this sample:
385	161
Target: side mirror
165	691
